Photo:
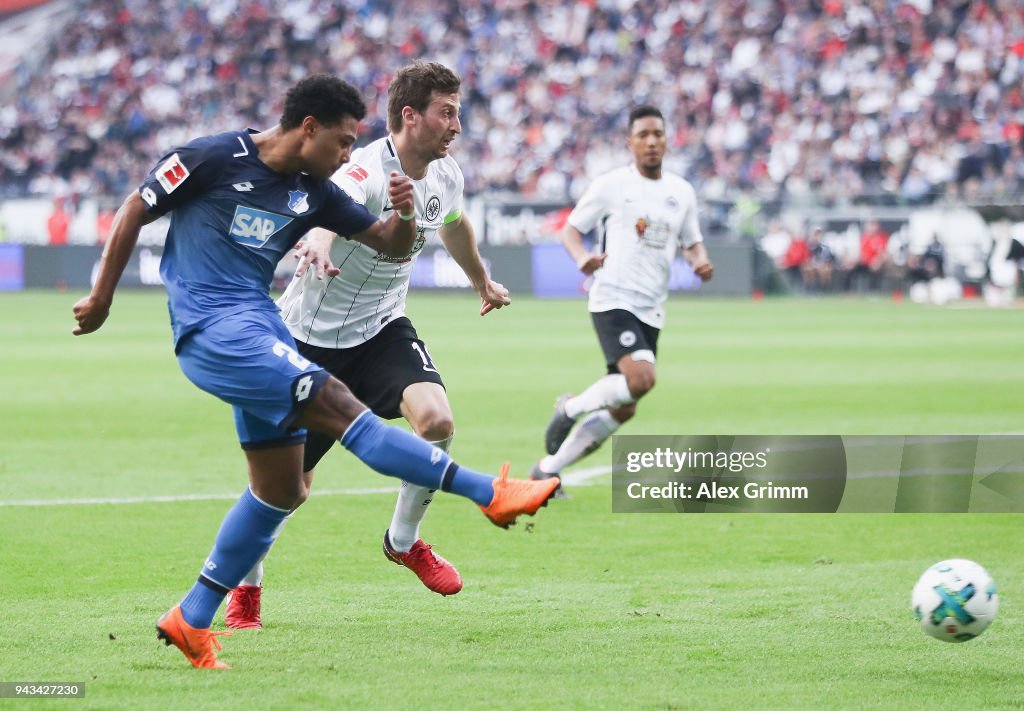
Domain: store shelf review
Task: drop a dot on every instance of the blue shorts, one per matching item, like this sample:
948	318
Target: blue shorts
250	361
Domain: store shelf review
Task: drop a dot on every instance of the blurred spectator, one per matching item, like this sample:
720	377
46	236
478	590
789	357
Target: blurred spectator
931	264
104	224
793	261
776	242
1004	264
873	260
933	261
819	267
58	223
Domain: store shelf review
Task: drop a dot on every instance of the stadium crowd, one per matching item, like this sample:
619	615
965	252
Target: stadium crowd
898	102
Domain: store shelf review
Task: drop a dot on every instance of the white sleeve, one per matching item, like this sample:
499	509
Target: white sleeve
689	234
364	185
591	207
458	187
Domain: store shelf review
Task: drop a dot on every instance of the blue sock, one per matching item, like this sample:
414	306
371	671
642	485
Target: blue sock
395	452
245	535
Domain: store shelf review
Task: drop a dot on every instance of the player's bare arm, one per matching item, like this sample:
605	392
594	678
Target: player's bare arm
394	237
587	262
91	311
315	251
697	256
460	241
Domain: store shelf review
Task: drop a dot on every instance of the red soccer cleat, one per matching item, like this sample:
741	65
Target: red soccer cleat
243	610
433	571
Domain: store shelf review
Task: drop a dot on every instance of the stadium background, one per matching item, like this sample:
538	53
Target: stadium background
787	116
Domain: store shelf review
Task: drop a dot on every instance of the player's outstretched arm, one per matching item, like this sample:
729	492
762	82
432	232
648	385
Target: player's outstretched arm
586	262
697	256
395	236
460	241
92	310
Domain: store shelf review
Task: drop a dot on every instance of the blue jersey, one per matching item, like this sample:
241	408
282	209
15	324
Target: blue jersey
232	219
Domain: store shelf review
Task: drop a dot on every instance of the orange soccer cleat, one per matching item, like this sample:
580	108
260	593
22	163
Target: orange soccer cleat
513	497
196	644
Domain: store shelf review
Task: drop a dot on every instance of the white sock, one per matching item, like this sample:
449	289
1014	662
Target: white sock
609	391
255	575
583	440
410	509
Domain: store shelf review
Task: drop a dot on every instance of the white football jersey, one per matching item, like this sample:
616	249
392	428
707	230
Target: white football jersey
642	224
351	308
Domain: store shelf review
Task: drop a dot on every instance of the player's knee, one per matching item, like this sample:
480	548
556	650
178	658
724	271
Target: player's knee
640	383
435	425
304	487
623	413
639	371
288	498
301	496
298	494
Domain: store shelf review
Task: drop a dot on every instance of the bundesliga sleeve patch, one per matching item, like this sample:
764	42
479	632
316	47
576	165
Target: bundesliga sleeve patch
357	173
172	174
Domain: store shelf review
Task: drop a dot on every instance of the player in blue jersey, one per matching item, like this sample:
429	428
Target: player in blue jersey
354	324
238	201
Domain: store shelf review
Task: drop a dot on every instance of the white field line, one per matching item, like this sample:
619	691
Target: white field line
580	477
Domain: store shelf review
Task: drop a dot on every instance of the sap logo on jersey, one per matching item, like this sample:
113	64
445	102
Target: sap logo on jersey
254	227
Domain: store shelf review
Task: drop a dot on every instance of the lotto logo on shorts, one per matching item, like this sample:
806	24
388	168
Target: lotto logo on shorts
303	388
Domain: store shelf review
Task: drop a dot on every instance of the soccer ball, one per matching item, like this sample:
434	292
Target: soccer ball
955	600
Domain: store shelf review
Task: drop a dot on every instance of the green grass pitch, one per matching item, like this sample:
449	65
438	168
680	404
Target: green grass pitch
586	609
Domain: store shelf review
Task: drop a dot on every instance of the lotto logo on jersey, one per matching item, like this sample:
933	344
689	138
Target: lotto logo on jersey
253	227
171	174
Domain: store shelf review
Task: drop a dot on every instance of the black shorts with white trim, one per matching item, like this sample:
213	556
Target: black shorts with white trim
621	333
377	372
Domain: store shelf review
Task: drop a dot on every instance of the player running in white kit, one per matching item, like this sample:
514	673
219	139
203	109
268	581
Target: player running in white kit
643	216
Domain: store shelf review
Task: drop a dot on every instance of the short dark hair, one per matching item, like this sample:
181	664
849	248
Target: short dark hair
643	111
414	85
326	98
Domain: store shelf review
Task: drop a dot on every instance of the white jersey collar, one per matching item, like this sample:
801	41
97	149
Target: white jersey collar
635	171
392	153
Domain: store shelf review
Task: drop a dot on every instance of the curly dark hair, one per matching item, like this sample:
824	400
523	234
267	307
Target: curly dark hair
326	98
